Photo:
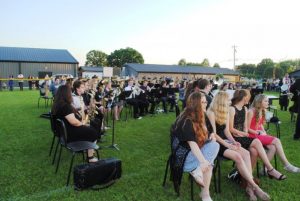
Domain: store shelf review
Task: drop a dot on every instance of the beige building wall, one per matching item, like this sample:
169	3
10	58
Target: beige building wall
230	78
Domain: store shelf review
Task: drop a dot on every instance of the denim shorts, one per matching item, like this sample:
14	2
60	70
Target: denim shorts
209	151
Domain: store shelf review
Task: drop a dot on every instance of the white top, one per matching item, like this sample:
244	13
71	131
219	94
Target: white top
76	101
20	76
128	88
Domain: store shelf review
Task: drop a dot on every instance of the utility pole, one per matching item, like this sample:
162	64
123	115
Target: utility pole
234	51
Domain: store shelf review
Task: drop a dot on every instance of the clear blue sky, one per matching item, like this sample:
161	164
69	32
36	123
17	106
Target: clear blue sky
164	31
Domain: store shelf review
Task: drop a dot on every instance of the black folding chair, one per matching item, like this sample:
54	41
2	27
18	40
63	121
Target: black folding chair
54	132
46	98
190	178
74	147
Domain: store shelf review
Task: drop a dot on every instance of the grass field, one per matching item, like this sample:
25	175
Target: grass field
26	172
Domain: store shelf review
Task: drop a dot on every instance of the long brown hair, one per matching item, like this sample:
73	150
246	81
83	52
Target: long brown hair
239	95
194	112
62	97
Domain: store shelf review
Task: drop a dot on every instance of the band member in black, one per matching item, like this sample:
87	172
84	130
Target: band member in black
132	100
144	96
295	89
167	95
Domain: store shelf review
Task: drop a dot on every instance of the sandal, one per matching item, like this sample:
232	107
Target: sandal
92	159
250	193
261	194
198	176
281	176
205	197
291	168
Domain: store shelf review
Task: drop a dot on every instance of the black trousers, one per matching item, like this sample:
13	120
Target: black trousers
297	130
137	105
21	86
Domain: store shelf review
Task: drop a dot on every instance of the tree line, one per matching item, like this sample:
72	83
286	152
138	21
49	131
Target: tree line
267	68
116	59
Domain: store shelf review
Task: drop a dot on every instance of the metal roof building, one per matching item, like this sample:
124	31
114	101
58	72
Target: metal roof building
36	62
90	71
154	70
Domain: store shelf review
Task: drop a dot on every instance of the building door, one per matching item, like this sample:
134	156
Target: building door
43	74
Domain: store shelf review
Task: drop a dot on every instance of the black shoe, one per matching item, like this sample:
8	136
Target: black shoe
234	176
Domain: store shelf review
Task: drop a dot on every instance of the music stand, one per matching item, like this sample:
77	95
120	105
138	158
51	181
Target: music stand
113	145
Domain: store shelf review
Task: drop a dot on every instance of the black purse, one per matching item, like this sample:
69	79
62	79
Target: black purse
98	175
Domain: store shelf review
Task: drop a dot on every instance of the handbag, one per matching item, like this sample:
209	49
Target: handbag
98	175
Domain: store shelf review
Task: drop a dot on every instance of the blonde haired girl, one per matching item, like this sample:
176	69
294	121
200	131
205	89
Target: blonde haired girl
229	148
256	118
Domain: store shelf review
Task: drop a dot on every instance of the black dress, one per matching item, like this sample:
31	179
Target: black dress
239	120
220	129
76	133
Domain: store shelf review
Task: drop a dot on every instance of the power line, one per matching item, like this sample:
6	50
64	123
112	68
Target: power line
234	51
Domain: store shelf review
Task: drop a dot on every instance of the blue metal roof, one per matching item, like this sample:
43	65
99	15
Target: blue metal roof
155	68
36	55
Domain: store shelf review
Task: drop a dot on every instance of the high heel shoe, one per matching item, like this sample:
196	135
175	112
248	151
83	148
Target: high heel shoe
251	194
281	177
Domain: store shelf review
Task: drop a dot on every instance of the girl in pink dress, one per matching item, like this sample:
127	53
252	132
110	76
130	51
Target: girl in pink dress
256	118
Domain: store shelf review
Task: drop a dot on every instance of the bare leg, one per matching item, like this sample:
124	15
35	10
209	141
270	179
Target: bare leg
279	150
246	158
253	156
206	180
91	152
262	153
241	165
271	151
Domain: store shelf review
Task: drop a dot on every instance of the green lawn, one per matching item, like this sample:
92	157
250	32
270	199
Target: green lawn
26	172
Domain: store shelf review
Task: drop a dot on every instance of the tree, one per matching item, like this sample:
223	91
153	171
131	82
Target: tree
268	72
205	62
247	70
120	57
193	64
278	72
96	58
216	65
263	65
182	62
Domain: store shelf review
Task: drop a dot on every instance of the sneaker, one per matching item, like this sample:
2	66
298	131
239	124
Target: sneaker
234	175
139	118
106	127
291	168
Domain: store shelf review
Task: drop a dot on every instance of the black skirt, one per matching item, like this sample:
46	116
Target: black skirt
244	141
82	133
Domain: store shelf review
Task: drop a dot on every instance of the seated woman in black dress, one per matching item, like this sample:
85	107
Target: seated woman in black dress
77	131
239	130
